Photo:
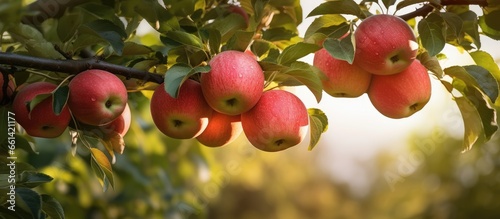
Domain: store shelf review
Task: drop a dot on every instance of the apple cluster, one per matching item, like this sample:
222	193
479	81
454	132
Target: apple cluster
97	101
385	67
228	100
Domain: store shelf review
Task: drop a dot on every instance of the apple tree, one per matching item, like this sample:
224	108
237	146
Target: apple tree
212	70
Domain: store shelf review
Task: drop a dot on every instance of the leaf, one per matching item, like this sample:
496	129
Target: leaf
406	3
296	51
341	49
308	76
488	30
31	179
388	3
52	207
432	33
102	167
68	25
318	123
228	25
240	40
108	31
214	40
30	201
475	76
179	73
491	19
157	16
59	99
278	34
37	100
470	26
453	22
486	61
132	49
184	38
338	7
324	22
431	63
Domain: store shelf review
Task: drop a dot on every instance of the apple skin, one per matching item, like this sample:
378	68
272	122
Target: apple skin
44	122
96	97
385	44
9	90
222	129
342	79
120	125
277	122
234	84
403	94
184	117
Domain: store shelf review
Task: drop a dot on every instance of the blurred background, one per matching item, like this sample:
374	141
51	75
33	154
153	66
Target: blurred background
365	166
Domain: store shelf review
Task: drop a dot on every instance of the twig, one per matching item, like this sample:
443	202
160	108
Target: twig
76	66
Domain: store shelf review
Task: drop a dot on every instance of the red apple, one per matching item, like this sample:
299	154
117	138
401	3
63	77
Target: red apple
120	125
342	79
385	44
96	97
234	83
6	90
278	121
42	122
183	117
403	94
222	129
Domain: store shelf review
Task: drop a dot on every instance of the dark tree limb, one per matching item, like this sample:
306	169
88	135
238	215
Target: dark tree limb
428	8
76	66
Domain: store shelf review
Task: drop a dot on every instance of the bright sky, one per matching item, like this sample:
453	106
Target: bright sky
357	132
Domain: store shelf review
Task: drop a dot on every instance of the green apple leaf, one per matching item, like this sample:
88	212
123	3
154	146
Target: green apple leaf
491	18
432	33
278	34
487	29
262	47
157	16
59	99
453	22
475	76
37	100
479	118
318	124
406	3
102	167
240	40
68	25
133	49
308	76
325	25
184	38
52	207
431	63
486	61
29	201
342	49
388	3
457	9
338	7
227	26
179	73
294	52
108	31
214	40
470	26
31	179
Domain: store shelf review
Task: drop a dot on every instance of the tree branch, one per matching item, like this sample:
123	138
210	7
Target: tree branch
428	8
76	66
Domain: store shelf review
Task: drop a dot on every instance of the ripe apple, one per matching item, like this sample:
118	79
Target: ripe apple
7	91
42	122
278	121
222	129
403	94
239	10
234	84
385	44
184	117
342	79
120	125
96	97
